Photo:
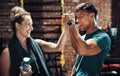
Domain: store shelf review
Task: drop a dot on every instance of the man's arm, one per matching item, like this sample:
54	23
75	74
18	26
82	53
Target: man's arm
82	47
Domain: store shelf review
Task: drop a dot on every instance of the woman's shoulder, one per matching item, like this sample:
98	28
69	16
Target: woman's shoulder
5	52
5	62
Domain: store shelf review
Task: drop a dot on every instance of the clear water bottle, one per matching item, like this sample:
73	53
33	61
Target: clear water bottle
26	63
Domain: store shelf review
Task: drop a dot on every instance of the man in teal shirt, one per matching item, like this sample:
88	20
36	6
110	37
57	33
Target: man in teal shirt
91	65
93	46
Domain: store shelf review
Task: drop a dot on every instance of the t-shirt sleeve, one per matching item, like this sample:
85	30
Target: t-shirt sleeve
103	41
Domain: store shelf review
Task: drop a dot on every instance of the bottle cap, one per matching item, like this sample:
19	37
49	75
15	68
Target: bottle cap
26	59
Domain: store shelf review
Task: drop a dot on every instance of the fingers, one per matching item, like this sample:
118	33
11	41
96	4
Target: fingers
21	69
26	73
67	13
69	18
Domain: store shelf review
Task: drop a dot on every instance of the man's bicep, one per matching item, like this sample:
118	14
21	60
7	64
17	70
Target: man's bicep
93	47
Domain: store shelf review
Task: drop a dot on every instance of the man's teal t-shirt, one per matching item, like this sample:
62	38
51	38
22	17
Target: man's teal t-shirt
91	65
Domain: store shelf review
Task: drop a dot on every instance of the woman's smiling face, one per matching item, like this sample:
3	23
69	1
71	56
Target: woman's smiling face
25	27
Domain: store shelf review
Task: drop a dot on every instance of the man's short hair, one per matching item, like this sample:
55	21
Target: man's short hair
87	7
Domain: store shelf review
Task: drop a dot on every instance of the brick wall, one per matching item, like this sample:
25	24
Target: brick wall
5	30
108	10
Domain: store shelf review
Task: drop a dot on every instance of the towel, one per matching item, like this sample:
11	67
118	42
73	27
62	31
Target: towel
17	53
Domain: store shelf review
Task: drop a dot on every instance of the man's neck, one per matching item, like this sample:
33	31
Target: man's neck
92	29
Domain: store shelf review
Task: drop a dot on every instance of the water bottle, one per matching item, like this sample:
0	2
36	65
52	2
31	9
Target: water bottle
25	63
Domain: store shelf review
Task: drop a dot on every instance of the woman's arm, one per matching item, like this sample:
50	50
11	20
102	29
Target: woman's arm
5	62
53	47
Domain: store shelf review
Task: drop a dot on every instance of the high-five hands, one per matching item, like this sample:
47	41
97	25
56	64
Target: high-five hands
69	18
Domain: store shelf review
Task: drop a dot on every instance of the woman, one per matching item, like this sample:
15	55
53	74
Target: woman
23	45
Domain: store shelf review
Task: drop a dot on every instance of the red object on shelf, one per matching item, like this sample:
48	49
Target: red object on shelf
106	66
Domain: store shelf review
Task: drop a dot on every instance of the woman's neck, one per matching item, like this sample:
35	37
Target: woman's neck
22	41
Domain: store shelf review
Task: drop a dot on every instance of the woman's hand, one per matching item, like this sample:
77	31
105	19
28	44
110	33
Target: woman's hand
26	73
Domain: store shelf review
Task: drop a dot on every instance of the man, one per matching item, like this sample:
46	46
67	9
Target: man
93	46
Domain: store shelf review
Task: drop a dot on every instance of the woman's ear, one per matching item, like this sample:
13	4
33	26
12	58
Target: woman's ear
17	25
